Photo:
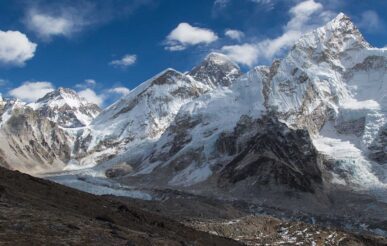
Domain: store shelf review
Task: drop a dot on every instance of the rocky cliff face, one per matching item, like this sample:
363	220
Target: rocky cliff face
272	157
31	143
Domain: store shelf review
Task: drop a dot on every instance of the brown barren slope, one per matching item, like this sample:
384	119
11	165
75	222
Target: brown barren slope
39	212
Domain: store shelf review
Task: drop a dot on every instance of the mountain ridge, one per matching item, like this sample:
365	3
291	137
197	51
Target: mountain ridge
307	126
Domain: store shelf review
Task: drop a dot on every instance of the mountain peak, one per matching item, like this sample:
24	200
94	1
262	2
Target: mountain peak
341	17
216	70
343	24
59	94
66	107
218	58
63	90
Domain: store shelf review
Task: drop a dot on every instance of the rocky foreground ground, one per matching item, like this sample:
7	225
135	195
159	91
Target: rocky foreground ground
39	212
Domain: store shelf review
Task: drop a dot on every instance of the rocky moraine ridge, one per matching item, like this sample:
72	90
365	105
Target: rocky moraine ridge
306	134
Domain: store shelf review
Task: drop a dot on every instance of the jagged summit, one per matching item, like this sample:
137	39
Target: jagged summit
216	70
342	23
218	58
65	107
336	36
60	94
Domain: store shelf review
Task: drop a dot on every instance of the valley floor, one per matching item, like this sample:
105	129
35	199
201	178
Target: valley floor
35	212
38	212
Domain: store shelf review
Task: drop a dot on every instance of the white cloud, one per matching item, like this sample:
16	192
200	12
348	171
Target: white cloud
91	96
15	48
31	91
234	34
120	90
301	21
47	26
301	14
244	54
185	35
125	61
370	21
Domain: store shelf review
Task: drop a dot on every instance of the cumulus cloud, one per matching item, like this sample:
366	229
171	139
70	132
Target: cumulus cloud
234	34
185	35
371	21
300	22
125	61
94	92
15	48
31	91
91	96
244	54
120	90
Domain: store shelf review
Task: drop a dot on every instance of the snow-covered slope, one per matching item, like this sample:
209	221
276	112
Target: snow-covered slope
67	108
136	121
191	140
7	106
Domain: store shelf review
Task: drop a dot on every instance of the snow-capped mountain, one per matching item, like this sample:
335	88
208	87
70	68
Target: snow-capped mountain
331	83
136	121
67	108
314	120
39	137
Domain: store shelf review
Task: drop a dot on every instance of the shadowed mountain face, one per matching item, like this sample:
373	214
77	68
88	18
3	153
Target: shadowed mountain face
42	212
276	156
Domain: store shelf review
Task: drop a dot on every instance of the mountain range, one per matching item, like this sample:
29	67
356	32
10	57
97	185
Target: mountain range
307	133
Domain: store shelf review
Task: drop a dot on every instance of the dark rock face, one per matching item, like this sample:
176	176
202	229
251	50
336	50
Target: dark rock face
378	149
276	155
216	70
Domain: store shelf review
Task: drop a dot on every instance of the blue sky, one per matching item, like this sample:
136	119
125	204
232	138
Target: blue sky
104	48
